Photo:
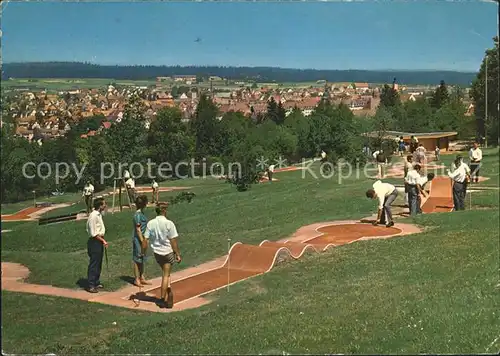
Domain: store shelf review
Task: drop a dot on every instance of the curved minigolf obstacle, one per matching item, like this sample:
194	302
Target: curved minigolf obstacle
245	260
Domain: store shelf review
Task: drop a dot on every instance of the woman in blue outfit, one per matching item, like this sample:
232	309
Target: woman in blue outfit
139	245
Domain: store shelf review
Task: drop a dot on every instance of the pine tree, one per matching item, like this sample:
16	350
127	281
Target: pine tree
440	96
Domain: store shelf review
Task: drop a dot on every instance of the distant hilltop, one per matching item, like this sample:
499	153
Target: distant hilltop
249	74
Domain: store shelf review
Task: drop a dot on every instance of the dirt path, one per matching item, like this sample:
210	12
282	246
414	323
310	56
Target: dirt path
243	261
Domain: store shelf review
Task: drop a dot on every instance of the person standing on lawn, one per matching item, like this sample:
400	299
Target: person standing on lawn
408	167
139	244
412	180
420	154
162	236
95	245
386	194
88	195
381	160
130	185
156	191
460	175
401	146
437	152
475	156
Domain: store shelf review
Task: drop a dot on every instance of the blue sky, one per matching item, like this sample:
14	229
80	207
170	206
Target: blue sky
322	35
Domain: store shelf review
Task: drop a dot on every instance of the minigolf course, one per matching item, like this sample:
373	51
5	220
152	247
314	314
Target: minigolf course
243	261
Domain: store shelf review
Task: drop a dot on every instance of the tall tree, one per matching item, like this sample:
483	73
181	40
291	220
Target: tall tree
389	96
205	128
275	112
487	126
168	139
440	96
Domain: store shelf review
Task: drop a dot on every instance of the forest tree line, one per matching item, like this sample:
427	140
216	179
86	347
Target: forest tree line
255	74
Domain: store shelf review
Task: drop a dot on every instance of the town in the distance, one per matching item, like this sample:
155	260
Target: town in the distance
42	109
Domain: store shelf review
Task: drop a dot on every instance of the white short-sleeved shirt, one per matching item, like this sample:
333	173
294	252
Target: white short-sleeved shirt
126	174
271	168
130	183
323	154
382	190
155	185
459	173
475	154
413	177
95	225
159	232
88	189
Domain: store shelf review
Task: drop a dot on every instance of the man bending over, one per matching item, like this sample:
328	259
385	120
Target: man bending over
386	194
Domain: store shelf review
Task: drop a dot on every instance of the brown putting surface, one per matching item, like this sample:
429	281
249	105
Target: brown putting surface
246	260
440	199
22	214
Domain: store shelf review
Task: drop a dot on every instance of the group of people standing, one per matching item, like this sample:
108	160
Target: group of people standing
160	233
415	182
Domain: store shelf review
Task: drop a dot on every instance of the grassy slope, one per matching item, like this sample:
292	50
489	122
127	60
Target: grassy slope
56	254
433	292
360	298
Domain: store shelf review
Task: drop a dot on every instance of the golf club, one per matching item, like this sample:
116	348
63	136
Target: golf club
228	261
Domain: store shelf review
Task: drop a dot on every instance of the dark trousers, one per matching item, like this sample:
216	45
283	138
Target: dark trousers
270	176
414	200
88	203
95	250
474	167
386	212
459	191
131	195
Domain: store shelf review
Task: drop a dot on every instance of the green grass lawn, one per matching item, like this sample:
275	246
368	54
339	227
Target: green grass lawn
431	292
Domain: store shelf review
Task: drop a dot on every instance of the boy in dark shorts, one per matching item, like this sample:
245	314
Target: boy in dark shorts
162	235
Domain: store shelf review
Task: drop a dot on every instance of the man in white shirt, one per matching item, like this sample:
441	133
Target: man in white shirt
88	195
96	245
437	151
475	156
323	156
386	194
407	167
162	235
156	191
412	181
420	153
381	160
130	184
459	175
126	174
270	171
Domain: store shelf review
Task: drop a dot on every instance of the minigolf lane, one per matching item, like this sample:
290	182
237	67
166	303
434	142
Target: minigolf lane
440	199
245	261
24	214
